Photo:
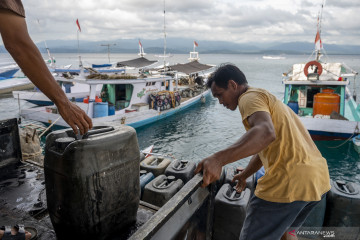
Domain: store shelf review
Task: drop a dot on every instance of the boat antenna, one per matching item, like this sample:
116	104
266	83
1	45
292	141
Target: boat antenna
164	40
52	60
318	34
108	48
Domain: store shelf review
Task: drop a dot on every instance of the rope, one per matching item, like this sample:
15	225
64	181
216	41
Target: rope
52	124
356	131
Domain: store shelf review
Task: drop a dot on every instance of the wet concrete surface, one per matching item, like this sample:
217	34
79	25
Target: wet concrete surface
23	201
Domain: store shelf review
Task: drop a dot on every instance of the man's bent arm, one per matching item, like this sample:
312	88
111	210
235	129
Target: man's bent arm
260	135
19	44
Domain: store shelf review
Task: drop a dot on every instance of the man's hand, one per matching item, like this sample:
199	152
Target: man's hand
75	117
241	184
211	168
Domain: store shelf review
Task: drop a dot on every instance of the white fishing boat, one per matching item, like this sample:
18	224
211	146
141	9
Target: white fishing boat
7	70
318	91
76	90
134	101
273	57
15	84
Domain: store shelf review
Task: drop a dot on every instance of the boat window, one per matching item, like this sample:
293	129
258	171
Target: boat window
310	96
153	83
123	93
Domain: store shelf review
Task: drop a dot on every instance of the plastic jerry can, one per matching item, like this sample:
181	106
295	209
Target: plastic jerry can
343	205
145	178
156	165
232	171
92	184
229	212
161	189
183	170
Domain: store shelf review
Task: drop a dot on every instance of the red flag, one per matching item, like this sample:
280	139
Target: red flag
196	44
318	43
140	44
78	24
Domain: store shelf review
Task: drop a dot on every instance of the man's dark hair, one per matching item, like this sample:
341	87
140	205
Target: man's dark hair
224	73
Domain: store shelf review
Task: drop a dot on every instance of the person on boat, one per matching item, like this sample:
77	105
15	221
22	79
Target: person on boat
17	41
296	175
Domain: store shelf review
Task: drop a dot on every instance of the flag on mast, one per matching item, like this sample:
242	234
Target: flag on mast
78	24
196	44
140	45
318	43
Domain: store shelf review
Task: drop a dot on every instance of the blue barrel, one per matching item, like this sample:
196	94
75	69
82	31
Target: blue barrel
259	174
145	178
111	110
101	109
294	106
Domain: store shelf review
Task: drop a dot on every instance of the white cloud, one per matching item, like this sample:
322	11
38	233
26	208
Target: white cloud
227	20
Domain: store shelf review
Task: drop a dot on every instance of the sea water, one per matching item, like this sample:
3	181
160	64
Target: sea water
207	128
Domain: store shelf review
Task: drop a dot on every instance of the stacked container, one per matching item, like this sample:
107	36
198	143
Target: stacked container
229	212
92	184
183	170
156	165
161	189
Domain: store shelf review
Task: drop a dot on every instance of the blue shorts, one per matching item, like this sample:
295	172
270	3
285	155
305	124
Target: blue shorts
269	220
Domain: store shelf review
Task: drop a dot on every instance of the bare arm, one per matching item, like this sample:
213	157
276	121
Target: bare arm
260	135
19	44
254	165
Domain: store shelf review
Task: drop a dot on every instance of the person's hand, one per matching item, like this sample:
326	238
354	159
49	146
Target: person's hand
75	117
241	181
211	169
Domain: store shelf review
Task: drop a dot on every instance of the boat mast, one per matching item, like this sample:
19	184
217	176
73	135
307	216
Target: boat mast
164	40
318	50
108	48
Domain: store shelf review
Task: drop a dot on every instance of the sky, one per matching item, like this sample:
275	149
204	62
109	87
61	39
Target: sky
259	21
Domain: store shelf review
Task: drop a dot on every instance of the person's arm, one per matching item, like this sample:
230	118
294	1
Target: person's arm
17	41
254	165
260	135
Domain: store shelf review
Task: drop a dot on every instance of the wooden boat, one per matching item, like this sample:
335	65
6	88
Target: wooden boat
318	92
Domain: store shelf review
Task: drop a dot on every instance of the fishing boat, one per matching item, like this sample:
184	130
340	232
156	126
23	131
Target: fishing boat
15	84
7	70
318	91
273	57
134	100
77	90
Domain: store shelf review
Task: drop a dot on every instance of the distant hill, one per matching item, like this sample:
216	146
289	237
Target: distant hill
185	45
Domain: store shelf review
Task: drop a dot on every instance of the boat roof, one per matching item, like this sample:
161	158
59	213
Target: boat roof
82	80
190	67
136	63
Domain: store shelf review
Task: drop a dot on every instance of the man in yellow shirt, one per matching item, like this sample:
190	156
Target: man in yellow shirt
296	175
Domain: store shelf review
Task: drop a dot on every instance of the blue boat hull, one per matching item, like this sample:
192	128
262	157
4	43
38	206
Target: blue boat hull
165	115
49	103
8	74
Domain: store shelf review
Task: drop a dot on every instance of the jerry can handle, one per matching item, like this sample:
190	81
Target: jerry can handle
97	131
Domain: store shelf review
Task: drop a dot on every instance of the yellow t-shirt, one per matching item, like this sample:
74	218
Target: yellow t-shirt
294	168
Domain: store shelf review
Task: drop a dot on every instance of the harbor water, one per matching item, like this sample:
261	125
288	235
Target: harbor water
206	128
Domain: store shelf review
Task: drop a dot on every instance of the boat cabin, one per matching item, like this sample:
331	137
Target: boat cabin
319	90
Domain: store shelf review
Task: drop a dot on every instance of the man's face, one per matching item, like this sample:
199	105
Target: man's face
227	97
